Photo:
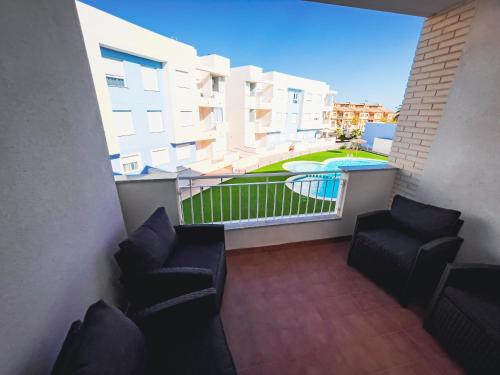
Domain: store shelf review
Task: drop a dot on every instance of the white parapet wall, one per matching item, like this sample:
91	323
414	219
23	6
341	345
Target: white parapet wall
366	190
140	196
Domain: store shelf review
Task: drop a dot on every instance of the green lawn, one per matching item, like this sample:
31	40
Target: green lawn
286	202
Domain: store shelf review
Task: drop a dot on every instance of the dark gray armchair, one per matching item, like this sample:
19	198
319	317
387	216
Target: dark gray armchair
160	261
464	315
405	249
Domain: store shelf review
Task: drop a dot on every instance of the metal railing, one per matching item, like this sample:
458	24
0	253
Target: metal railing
257	197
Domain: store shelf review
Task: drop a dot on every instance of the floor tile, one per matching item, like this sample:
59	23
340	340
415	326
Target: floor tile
302	310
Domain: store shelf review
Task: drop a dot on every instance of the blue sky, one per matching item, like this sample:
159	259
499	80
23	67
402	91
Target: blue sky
364	55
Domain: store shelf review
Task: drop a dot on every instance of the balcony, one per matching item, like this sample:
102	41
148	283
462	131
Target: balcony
263	102
206	132
211	99
291	304
266	127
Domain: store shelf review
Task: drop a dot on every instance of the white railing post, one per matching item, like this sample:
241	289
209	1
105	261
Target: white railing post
192	201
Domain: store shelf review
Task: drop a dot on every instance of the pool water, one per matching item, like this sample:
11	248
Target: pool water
328	185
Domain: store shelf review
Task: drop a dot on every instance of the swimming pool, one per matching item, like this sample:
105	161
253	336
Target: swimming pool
323	186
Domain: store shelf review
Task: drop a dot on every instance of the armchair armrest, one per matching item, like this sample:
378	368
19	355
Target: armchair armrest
165	283
199	233
473	276
441	246
476	277
437	253
177	312
371	220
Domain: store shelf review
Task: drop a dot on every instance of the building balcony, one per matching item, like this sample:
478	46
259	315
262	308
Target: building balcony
266	127
211	99
206	132
311	125
263	102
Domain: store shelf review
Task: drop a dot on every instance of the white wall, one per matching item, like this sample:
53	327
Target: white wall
141	196
462	171
60	215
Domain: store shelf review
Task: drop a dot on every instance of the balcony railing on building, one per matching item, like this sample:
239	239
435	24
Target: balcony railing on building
260	198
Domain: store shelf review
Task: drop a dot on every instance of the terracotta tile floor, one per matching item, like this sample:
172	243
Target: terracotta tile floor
302	310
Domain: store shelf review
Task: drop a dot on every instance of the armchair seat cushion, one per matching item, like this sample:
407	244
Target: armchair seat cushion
386	255
208	255
483	310
392	246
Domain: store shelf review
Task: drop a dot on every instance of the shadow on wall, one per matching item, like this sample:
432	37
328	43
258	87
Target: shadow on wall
476	228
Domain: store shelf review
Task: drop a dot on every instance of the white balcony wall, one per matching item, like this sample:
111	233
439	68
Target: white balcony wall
60	214
141	196
365	191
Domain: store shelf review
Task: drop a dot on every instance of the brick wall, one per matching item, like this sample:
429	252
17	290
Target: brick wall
438	53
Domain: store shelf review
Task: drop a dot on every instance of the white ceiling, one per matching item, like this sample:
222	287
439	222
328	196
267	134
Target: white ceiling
423	8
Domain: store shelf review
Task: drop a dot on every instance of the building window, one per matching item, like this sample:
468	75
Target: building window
130	163
252	88
115	73
216	84
295	98
150	79
155	121
123	122
160	156
183	152
115	81
217	115
182	79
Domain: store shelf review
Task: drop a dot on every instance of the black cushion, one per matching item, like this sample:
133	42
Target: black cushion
69	347
107	343
149	246
391	246
482	309
161	225
428	222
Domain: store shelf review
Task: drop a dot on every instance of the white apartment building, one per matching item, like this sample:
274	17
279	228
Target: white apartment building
162	105
274	111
